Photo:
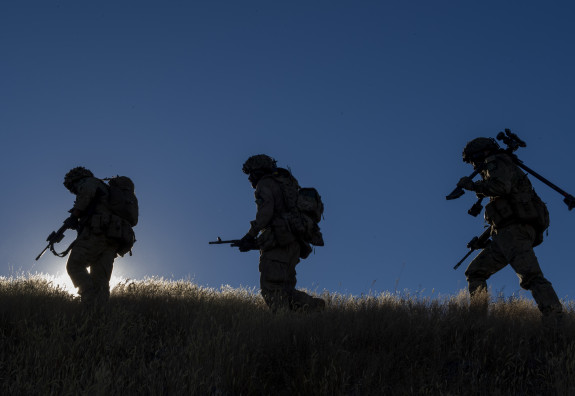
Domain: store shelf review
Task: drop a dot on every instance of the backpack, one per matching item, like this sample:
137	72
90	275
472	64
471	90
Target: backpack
305	209
122	199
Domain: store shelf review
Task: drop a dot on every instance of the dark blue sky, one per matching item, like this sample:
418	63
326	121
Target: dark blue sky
370	102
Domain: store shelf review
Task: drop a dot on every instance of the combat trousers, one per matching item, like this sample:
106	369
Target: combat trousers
278	280
96	252
514	245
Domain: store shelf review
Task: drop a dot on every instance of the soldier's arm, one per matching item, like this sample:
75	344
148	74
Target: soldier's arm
497	180
86	193
265	212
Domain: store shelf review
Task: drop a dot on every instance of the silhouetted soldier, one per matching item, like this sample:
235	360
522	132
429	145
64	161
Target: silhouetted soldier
518	219
280	249
102	235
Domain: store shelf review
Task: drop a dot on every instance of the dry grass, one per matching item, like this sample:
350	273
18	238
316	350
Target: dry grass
159	337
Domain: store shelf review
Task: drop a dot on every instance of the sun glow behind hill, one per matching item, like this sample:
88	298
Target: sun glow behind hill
63	281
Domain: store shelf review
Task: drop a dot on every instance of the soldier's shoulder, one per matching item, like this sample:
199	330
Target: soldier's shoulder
267	180
266	183
90	184
497	161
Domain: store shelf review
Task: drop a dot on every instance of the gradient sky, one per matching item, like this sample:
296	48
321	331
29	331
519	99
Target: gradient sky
371	102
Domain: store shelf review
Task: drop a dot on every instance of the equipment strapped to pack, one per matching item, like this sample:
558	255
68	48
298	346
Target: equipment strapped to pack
305	208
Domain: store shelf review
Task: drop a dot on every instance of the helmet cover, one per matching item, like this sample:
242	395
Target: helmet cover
259	162
475	149
76	174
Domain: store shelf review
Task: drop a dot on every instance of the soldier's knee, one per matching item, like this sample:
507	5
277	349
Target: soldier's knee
533	280
476	273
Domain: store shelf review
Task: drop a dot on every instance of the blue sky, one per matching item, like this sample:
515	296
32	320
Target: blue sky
370	102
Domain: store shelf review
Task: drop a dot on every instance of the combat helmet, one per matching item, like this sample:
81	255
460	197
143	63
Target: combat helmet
260	162
475	149
74	175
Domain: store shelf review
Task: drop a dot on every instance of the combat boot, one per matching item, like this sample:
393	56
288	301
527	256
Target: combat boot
552	319
88	296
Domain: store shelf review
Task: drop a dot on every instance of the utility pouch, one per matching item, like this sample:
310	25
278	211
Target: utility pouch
499	213
120	230
542	221
524	208
96	224
126	241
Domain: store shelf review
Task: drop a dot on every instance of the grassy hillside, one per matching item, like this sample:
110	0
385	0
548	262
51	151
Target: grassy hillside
162	338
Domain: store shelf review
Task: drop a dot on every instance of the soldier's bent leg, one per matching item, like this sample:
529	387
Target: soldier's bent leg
301	301
488	262
526	265
531	278
77	268
545	297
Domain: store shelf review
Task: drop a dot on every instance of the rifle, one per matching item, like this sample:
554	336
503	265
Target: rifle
568	198
232	242
56	237
479	242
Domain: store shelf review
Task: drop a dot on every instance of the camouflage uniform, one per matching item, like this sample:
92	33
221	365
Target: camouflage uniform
93	248
512	238
278	261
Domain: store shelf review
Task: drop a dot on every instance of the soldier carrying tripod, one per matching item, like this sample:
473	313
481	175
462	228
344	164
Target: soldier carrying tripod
517	217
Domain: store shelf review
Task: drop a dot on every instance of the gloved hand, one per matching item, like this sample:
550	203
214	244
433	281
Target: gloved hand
247	243
466	183
71	223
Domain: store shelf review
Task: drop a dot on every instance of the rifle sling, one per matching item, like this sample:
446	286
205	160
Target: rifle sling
65	252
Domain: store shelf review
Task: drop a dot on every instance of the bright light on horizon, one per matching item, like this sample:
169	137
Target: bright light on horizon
65	283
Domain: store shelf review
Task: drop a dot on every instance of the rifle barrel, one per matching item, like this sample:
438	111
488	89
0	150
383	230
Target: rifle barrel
42	252
569	199
463	259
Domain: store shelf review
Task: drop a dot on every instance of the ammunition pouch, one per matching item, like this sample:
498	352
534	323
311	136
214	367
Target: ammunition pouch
499	213
524	208
98	223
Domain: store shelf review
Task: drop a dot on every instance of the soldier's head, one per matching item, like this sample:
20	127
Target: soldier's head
74	175
258	166
478	149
